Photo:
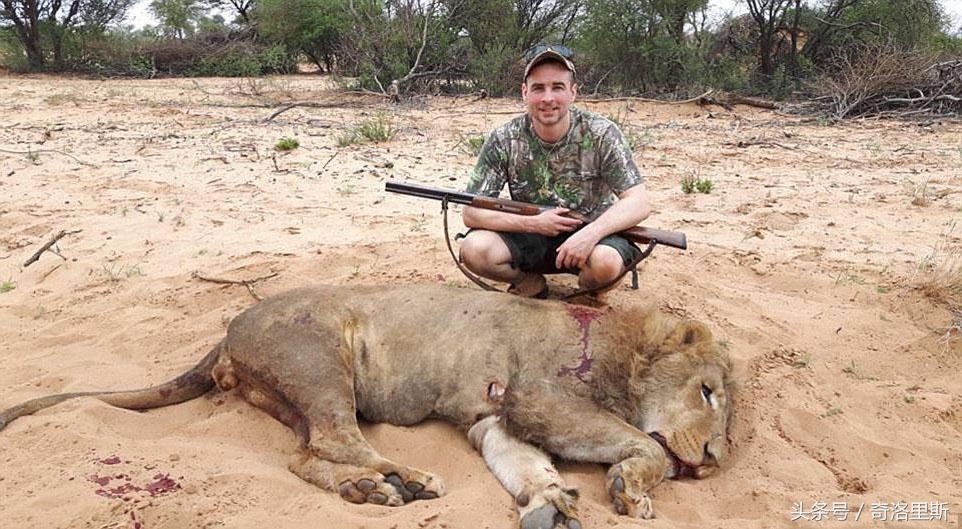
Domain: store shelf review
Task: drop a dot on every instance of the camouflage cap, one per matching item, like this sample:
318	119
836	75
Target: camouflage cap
543	52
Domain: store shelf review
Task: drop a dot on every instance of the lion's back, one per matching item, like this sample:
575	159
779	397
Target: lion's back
415	351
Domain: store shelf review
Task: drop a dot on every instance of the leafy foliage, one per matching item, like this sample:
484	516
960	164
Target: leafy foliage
645	47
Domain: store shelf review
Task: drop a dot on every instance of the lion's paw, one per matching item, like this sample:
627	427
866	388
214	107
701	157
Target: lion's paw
367	490
553	507
416	485
627	495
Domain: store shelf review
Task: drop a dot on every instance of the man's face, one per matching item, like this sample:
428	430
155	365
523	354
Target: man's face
548	93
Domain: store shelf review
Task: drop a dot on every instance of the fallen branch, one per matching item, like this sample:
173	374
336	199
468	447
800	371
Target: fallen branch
752	102
645	100
708	100
47	245
913	100
29	153
311	104
763	143
247	283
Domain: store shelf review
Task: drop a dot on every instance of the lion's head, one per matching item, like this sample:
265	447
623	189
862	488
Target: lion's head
678	390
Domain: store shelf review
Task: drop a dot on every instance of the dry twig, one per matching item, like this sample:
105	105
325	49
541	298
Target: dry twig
38	151
47	245
247	283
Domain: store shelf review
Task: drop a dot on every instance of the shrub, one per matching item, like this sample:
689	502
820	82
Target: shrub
287	144
704	185
376	130
690	184
473	143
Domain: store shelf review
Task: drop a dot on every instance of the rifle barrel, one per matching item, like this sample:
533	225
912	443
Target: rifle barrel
640	234
423	191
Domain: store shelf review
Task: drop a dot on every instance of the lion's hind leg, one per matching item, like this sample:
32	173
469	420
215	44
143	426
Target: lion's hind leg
340	459
321	390
303	375
345	463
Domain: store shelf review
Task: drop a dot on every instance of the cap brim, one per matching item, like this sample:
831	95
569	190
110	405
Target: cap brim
546	55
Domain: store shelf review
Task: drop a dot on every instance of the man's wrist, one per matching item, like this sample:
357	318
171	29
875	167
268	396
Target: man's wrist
593	231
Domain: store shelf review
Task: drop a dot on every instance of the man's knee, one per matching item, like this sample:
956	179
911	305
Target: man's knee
481	249
605	263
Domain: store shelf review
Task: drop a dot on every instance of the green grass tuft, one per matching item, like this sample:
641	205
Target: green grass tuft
287	144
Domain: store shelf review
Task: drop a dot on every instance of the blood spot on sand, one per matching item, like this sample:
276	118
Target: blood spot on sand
162	484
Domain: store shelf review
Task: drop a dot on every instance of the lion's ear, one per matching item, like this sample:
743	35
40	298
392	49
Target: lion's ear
688	333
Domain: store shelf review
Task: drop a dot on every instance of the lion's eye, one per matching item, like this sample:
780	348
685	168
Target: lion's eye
706	392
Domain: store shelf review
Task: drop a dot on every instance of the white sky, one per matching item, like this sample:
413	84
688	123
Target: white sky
140	16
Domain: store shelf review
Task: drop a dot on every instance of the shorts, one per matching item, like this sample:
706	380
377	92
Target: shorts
532	252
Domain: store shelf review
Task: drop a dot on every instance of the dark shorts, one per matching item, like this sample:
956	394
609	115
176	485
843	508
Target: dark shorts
537	253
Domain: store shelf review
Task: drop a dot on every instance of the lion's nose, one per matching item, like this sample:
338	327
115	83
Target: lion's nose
709	457
714	451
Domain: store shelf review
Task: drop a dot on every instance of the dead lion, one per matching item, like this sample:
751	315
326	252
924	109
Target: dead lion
635	389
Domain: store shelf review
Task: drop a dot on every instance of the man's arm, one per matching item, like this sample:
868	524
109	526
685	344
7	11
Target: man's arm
632	207
550	223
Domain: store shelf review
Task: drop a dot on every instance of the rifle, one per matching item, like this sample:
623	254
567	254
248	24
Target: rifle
637	234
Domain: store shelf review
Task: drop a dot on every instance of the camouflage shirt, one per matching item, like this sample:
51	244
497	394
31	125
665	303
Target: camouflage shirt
583	171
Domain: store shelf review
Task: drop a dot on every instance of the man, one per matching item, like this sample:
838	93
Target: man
554	155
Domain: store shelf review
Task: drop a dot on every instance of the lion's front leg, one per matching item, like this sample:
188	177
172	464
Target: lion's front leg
576	429
544	501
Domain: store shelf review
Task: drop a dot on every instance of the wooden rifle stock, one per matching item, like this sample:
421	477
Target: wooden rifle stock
638	234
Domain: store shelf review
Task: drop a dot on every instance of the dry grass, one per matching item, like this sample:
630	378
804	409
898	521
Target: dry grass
939	278
868	80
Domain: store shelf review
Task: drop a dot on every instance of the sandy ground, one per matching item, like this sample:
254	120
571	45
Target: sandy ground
805	260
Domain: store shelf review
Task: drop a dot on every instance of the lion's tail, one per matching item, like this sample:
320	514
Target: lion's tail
190	385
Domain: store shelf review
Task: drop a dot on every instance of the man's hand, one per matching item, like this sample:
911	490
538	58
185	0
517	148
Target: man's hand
553	222
574	252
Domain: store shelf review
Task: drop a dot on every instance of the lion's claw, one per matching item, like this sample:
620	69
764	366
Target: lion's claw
551	508
626	499
548	517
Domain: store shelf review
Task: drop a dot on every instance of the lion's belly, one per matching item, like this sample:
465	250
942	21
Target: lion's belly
407	388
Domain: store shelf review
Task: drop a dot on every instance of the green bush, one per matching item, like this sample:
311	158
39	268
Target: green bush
473	143
12	56
377	130
246	61
704	185
287	144
690	184
374	131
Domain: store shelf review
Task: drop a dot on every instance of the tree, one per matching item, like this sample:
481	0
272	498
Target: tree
178	18
312	27
244	8
906	24
769	17
639	44
34	21
675	14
